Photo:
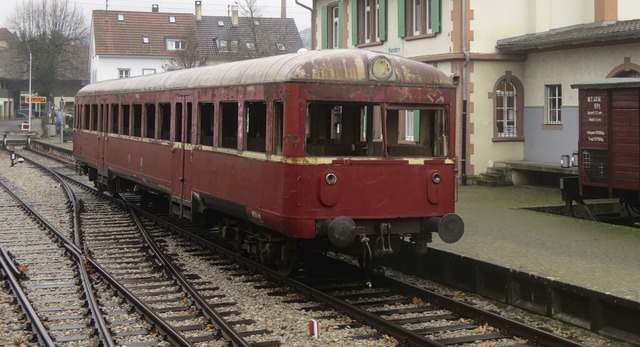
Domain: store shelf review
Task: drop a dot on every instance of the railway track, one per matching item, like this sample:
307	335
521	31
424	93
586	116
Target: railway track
401	314
399	311
118	251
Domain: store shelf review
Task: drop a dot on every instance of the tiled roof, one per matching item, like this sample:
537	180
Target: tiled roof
601	33
270	33
124	37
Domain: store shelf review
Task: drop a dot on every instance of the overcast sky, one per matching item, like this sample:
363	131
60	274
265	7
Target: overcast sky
270	8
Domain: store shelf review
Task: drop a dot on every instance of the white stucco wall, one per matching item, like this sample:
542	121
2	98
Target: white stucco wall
107	67
485	150
572	66
498	19
628	9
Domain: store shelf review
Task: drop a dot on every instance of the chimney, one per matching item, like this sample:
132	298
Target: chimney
234	15
283	9
155	8
606	10
199	11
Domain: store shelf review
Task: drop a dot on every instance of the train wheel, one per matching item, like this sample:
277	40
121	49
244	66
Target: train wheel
289	267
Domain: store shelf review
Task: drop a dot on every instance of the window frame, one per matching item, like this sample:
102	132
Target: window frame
430	18
553	104
124	73
517	106
176	44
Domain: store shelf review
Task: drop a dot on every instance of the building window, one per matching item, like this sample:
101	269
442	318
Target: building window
335	27
281	47
554	104
120	17
172	19
508	98
145	39
368	18
176	44
222	46
370	24
330	26
148	71
419	17
250	45
124	73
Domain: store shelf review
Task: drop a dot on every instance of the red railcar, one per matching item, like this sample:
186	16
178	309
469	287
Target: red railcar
346	148
608	143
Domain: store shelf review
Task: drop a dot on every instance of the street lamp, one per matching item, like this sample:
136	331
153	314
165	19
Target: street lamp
30	57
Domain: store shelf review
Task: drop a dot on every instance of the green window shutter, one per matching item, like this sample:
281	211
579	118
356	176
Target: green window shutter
402	18
435	15
325	21
355	35
341	29
382	21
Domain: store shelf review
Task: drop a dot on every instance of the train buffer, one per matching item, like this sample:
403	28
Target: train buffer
17	138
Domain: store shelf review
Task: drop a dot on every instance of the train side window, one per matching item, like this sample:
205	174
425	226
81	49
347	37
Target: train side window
137	120
278	127
126	119
150	117
86	121
205	123
115	118
255	126
101	114
94	117
165	121
178	123
229	125
189	126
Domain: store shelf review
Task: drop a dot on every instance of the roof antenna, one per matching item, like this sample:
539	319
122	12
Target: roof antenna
106	5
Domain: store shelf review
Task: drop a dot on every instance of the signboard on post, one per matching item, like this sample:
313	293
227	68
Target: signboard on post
26	126
35	99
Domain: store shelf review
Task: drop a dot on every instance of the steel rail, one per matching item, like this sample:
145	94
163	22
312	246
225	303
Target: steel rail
219	322
100	323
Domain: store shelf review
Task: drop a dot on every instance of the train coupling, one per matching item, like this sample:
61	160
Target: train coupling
449	227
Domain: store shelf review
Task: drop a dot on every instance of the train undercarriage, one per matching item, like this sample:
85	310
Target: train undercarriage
369	241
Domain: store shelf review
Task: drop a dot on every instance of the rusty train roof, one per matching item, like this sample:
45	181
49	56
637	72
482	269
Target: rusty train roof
332	65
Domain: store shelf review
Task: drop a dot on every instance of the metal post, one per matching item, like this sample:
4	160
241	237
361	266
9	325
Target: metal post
30	60
61	119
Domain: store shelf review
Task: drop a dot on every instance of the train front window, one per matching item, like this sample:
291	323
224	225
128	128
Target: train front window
345	129
415	132
356	129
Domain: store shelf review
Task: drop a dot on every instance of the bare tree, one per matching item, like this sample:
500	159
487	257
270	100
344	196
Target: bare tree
188	57
261	42
52	31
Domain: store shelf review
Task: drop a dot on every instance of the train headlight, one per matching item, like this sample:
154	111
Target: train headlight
381	68
331	178
436	178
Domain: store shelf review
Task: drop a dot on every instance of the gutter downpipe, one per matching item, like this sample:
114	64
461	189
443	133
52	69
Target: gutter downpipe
467	59
305	6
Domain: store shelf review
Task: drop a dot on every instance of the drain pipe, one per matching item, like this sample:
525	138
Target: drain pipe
467	58
305	6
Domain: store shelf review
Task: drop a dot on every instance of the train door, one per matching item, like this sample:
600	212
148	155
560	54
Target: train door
103	111
182	136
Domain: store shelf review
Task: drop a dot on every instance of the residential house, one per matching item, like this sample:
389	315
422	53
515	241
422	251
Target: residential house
129	43
514	62
126	43
230	38
12	74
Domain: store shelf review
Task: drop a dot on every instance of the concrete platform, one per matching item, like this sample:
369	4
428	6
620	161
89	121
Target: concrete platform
601	257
